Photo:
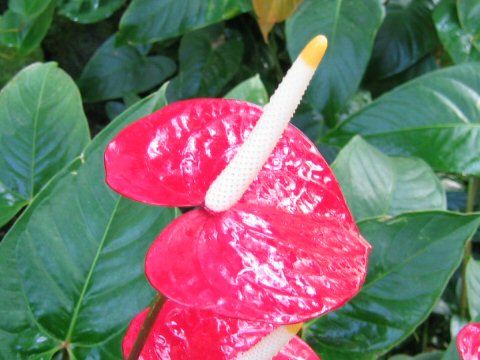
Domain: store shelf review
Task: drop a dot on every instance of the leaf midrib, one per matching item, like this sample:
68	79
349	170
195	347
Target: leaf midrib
34	135
403	263
90	272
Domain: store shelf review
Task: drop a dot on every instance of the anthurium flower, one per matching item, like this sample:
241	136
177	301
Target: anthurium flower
287	251
468	342
186	333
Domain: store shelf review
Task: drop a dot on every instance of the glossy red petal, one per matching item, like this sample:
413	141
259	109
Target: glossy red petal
258	263
468	342
173	155
297	180
181	333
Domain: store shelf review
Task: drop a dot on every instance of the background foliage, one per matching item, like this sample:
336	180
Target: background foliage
395	107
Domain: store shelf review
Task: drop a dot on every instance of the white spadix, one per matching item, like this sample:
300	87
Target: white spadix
242	170
271	344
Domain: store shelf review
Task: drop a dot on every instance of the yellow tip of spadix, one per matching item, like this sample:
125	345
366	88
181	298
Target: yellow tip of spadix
313	53
294	328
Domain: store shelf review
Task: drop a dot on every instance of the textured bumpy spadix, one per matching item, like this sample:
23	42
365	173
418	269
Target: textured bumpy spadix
272	344
234	180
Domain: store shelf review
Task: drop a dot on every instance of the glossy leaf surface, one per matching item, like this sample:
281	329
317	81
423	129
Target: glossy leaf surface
42	128
189	334
469	16
473	287
375	184
251	90
28	8
217	58
76	254
455	38
113	72
407	34
147	21
88	11
468	342
418	262
350	28
25	30
435	117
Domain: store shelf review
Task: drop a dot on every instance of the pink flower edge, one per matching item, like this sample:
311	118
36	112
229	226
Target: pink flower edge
468	342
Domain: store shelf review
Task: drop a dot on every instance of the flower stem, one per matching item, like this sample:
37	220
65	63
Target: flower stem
473	185
147	326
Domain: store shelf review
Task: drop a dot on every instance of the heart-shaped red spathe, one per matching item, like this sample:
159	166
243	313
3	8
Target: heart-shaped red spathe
257	263
172	156
288	251
184	333
468	342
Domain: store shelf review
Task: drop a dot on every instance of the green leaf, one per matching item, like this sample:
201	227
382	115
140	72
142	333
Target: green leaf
433	355
435	117
469	15
452	353
309	121
42	128
88	11
209	58
379	86
28	8
473	287
72	265
25	33
407	34
11	62
457	40
10	204
147	21
375	184
413	257
251	90
114	72
350	28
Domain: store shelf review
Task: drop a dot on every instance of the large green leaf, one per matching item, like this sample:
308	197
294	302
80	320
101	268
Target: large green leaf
209	58
88	11
433	355
147	21
457	40
375	184
473	287
435	117
413	257
42	128
113	72
23	30
28	8
72	265
379	86
251	90
350	27
407	34
469	16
